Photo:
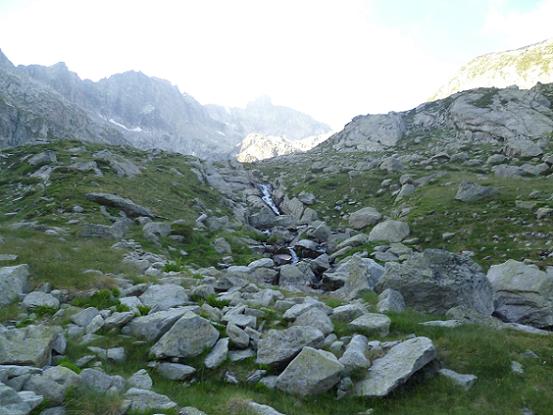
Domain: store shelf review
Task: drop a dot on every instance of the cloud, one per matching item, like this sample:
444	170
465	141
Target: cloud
515	28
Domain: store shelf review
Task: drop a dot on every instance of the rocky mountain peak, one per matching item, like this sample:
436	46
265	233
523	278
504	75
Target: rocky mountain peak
523	67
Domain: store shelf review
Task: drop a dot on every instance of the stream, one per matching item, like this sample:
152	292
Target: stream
267	197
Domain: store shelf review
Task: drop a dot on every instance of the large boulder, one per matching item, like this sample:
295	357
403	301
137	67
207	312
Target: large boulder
145	400
315	317
471	192
280	346
522	293
132	209
53	383
164	296
389	231
372	324
364	217
312	372
352	276
40	299
435	280
396	367
12	403
13	283
152	326
31	345
188	337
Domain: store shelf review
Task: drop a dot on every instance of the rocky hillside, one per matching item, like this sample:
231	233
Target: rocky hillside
257	147
39	103
521	120
411	280
522	67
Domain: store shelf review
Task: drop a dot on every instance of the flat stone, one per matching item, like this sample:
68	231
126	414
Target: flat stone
465	381
188	337
372	324
311	372
281	346
396	367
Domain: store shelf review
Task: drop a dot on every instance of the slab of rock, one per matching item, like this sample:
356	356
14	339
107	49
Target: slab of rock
152	326
315	317
31	345
355	355
389	231
471	192
280	346
53	383
347	312
436	280
522	293
218	354
188	337
84	317
164	296
11	403
364	217
45	157
132	209
390	300
175	371
260	409
396	367
372	324
465	381
13	283
145	400
140	379
310	373
352	276
40	299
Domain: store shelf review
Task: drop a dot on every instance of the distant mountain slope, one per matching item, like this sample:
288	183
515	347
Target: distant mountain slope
523	67
257	147
30	111
39	102
263	117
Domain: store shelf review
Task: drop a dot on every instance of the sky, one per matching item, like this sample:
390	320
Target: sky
333	59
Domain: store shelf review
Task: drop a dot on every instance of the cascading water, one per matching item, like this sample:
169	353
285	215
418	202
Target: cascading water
267	197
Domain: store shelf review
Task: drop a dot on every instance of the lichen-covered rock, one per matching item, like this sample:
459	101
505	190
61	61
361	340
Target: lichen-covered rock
522	293
146	400
389	231
188	337
164	296
310	373
396	367
280	346
435	280
13	283
31	345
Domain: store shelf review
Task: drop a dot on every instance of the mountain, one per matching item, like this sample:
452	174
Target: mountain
263	117
40	102
259	147
30	110
139	281
523	67
520	119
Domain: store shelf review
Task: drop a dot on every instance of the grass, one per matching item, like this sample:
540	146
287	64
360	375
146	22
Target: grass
102	299
52	260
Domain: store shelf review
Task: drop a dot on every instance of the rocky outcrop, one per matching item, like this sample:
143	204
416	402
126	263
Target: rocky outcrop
523	67
188	337
522	293
507	115
31	345
436	280
396	367
312	372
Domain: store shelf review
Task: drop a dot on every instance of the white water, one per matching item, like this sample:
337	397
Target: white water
267	197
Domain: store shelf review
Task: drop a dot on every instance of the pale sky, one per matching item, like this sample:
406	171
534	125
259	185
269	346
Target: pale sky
333	59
